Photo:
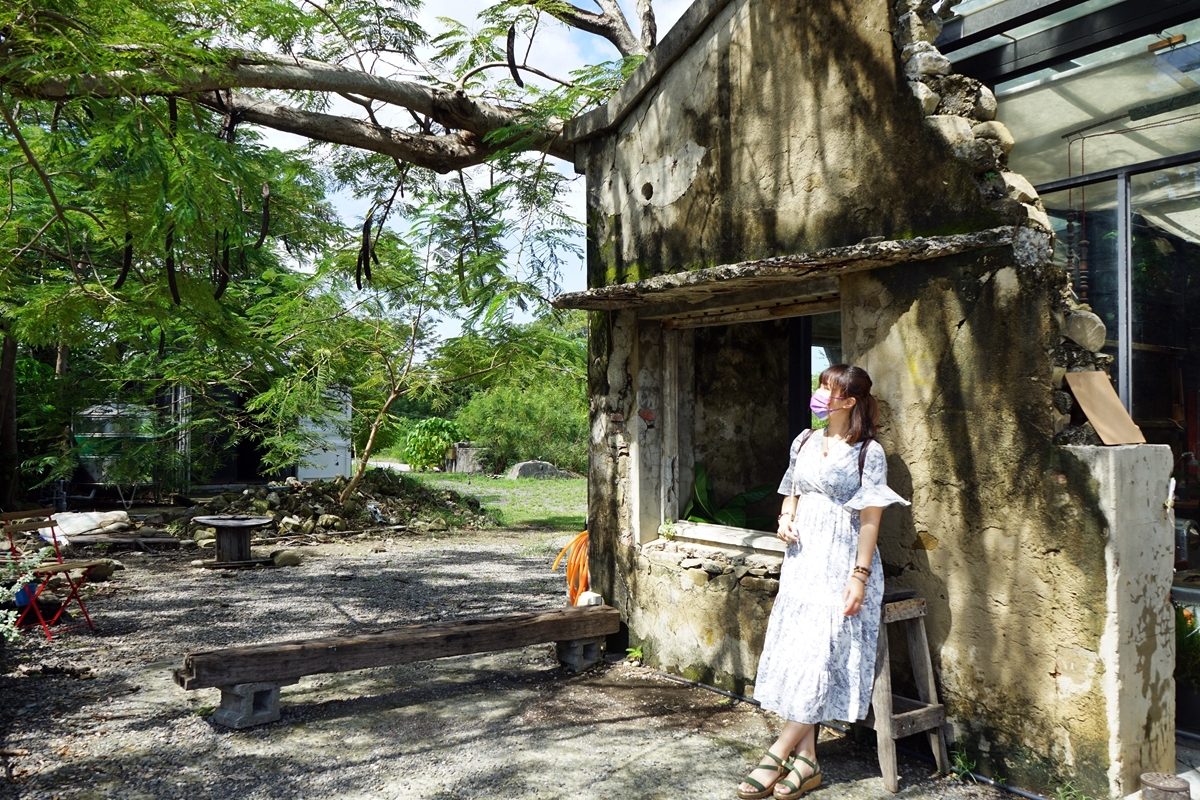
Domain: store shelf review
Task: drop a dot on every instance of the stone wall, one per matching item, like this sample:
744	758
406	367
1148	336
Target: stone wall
731	157
788	128
1007	536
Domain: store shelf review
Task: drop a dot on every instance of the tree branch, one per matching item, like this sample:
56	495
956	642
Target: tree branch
439	153
453	109
610	25
469	120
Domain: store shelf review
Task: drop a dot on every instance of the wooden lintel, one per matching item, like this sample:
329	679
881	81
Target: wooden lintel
287	660
760	314
904	609
696	303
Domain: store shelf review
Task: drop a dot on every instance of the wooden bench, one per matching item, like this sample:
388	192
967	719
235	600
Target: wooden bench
250	677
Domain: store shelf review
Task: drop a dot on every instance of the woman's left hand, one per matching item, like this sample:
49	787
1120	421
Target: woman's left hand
853	598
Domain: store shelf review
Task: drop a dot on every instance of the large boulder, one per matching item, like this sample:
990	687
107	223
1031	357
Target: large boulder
534	469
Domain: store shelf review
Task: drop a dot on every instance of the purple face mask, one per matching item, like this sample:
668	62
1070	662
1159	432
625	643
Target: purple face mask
819	403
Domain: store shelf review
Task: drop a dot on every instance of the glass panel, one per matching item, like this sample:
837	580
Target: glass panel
1085	228
1118	106
826	351
1166	289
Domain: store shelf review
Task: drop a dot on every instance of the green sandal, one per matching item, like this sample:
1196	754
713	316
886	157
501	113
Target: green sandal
781	768
806	784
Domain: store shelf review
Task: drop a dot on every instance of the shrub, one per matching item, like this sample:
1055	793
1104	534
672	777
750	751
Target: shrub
546	419
425	446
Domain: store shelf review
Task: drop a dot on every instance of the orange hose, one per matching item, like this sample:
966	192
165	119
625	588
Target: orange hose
577	566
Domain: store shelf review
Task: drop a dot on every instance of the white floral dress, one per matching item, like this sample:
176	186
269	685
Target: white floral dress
817	663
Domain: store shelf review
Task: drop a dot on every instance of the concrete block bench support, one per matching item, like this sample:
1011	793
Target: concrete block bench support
250	677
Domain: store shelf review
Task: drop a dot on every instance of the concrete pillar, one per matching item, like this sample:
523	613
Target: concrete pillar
1137	647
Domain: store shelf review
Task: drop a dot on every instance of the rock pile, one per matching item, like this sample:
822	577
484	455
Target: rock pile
383	500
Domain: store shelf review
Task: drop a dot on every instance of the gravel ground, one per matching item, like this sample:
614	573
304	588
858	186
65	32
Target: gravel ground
97	715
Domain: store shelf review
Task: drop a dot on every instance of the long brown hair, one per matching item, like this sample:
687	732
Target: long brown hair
847	380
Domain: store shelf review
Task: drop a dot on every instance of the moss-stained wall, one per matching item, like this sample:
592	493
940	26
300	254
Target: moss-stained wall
1006	537
786	127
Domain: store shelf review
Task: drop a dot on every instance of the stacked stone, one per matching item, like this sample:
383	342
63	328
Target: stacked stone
703	567
962	111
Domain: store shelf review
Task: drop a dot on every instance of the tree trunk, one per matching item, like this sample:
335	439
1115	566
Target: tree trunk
10	461
367	448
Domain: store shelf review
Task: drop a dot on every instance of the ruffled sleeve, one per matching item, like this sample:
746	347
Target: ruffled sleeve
874	491
787	485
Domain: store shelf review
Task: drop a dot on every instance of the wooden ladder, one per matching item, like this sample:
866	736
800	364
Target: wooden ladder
893	717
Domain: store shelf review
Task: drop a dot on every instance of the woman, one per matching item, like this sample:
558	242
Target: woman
818	661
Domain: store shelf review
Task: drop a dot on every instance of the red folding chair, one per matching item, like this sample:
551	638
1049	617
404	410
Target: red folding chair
19	521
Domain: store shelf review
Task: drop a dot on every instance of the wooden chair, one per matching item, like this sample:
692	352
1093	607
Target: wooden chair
20	521
894	717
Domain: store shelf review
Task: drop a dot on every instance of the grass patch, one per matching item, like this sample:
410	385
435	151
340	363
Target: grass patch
557	504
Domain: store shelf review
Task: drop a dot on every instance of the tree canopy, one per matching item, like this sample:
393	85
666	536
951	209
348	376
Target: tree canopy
152	238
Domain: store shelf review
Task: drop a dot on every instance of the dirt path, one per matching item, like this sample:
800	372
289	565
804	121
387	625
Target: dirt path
97	715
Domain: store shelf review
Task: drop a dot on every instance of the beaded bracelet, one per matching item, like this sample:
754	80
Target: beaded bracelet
862	571
856	576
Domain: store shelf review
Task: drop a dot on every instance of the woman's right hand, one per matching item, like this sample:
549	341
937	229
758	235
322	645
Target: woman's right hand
787	530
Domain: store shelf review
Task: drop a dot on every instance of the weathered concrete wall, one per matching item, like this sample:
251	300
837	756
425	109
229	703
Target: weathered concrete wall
1137	648
1012	541
741	406
733	155
787	128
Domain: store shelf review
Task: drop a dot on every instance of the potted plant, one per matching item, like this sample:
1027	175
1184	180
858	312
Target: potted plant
1187	669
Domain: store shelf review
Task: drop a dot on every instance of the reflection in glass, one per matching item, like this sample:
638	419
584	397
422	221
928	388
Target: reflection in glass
1165	273
1122	105
1085	229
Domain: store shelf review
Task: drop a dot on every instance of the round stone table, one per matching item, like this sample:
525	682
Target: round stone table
233	539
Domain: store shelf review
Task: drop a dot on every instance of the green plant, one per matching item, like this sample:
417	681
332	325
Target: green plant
702	509
425	445
634	653
962	765
545	419
1187	646
1069	792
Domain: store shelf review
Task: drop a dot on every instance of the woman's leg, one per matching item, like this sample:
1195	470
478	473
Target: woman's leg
807	747
794	735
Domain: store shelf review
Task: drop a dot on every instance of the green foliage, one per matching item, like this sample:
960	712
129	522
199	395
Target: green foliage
1069	792
701	507
425	446
634	653
962	765
544	419
1187	646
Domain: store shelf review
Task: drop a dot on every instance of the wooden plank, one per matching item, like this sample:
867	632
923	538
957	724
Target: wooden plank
40	512
29	526
905	609
766	312
924	719
881	704
287	660
670	503
922	665
109	538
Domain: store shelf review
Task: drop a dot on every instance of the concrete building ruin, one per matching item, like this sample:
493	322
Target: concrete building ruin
782	185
